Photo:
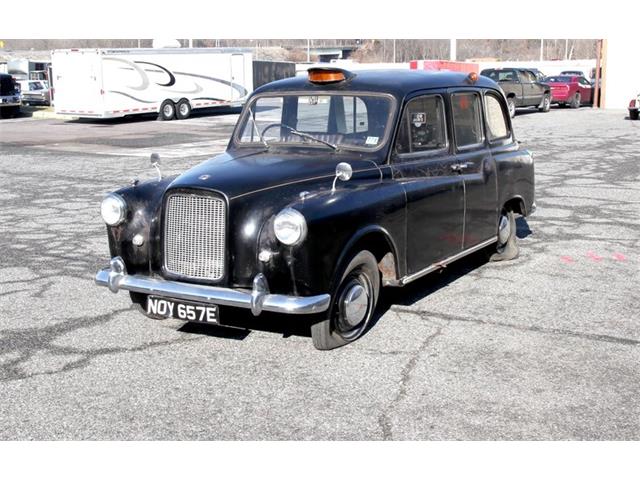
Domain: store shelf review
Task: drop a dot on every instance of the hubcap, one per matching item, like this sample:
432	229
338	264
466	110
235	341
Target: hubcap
168	110
354	305
504	230
184	109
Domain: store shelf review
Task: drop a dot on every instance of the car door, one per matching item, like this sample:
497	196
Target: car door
475	165
423	163
586	90
530	88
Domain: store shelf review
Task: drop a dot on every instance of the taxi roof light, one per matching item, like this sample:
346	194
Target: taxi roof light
327	75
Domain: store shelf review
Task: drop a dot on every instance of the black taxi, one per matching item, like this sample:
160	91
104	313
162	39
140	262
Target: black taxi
333	185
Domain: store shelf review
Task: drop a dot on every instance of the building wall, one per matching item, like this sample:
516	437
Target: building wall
623	72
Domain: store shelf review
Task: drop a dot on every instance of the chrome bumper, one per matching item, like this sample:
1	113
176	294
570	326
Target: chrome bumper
258	300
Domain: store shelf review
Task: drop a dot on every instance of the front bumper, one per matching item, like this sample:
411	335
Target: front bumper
258	299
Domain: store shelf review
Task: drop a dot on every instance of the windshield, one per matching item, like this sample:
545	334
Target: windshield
36	86
326	121
500	75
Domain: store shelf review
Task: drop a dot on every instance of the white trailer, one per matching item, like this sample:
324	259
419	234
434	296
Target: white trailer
110	83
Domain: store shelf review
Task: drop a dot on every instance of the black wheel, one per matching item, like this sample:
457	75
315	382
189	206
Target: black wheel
545	105
353	304
4	112
183	109
511	103
167	111
575	101
506	248
633	114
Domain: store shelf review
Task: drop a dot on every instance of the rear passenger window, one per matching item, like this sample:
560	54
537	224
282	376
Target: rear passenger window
423	127
496	118
467	122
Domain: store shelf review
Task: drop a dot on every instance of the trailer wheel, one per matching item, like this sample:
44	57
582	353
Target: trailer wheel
183	109
167	111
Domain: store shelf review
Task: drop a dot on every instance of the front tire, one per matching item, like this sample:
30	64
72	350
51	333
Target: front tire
353	304
167	111
511	104
506	248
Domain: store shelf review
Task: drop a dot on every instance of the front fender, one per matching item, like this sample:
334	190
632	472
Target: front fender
336	222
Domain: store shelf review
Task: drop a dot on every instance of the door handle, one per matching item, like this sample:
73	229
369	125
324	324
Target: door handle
460	167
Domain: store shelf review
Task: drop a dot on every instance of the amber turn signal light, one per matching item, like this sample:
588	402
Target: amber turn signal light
473	77
320	75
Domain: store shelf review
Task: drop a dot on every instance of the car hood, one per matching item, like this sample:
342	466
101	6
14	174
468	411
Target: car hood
237	174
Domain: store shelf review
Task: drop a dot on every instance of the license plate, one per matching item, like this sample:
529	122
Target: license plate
190	312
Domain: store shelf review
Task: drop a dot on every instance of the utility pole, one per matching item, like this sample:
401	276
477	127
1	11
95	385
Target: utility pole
541	49
394	50
566	49
308	50
452	50
191	43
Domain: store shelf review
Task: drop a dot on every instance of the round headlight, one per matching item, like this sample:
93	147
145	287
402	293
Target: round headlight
290	226
113	209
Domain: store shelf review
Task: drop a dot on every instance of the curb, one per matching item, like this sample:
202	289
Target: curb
50	115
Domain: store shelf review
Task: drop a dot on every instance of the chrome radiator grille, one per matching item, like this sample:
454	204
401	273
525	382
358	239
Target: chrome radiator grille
194	240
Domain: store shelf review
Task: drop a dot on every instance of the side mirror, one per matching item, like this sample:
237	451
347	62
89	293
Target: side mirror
344	172
155	162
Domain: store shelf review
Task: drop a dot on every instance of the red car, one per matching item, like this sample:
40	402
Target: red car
570	89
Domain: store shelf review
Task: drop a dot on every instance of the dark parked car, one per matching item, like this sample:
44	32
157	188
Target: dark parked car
570	90
9	96
521	87
333	185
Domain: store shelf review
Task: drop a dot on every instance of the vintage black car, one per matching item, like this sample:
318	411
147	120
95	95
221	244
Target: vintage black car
332	186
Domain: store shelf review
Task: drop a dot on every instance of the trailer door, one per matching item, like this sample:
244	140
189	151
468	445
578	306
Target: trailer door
78	82
237	74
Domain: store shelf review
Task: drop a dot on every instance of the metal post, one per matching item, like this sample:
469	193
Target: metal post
308	50
452	50
596	85
541	49
191	43
566	49
394	50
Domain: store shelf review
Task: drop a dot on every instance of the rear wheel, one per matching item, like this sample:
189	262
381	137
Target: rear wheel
167	111
353	305
511	103
183	110
545	105
633	114
506	248
575	101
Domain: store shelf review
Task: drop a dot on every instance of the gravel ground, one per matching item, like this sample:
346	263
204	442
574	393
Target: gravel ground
545	347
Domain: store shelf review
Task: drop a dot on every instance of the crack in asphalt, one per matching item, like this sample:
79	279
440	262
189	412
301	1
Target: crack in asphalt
531	328
384	419
27	343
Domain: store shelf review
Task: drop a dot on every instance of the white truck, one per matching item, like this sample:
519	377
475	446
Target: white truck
110	83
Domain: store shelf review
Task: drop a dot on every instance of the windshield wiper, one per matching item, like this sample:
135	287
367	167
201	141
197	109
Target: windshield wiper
310	137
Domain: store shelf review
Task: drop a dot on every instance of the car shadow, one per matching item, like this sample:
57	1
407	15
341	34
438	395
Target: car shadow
237	323
146	117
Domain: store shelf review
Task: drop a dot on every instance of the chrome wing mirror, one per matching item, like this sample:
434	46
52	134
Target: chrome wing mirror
344	172
155	162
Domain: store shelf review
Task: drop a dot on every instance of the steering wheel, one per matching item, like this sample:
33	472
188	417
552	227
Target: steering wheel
272	125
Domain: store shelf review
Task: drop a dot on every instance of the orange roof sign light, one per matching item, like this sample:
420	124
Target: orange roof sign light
328	75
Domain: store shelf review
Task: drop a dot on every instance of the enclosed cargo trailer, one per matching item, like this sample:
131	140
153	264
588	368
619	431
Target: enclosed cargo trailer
110	83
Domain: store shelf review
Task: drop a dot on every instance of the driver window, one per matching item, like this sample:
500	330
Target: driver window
423	127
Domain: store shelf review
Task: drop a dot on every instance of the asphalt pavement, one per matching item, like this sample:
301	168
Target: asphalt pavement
545	347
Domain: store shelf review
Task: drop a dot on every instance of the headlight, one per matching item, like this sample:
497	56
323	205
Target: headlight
290	226
113	209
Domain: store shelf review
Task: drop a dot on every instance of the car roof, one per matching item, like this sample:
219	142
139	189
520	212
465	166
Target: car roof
395	82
